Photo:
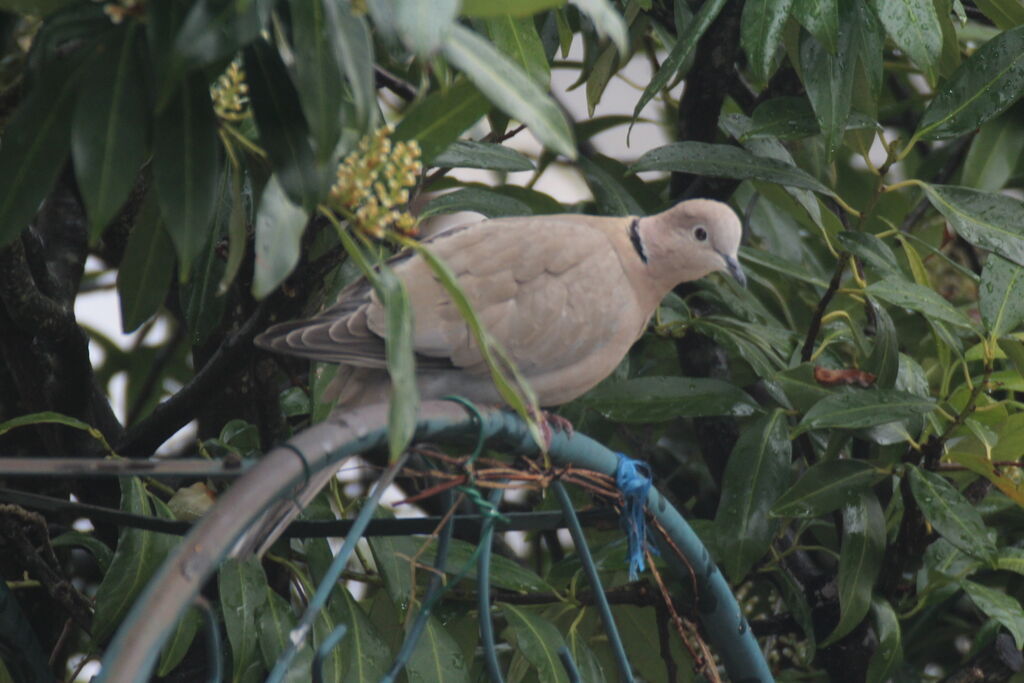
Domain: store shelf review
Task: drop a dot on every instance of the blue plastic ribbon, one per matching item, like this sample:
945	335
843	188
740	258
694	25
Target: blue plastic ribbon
633	478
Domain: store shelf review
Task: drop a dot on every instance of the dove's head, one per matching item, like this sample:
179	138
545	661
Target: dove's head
692	239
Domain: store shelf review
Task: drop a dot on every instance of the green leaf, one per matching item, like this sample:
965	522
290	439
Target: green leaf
238	221
97	548
871	250
489	203
186	166
275	625
486	155
214	30
405	400
860	560
243	591
147	267
508	87
365	650
761	32
537	639
607	21
518	38
110	126
756	474
821	19
317	74
423	26
871	37
995	152
724	161
918	298
949	512
35	145
1000	293
437	657
680	53
1014	351
1003	14
439	118
985	219
279	228
515	8
787	118
997	605
284	133
889	654
914	26
353	49
200	298
828	79
856	409
176	647
50	417
827	486
609	188
982	87
884	361
656	399
138	554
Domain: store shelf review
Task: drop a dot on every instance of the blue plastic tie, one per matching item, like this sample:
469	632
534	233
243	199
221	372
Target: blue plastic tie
633	478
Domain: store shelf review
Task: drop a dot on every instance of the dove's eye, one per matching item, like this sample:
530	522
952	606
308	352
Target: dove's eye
700	233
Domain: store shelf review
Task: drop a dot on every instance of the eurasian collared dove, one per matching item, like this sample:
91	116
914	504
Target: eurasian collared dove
565	296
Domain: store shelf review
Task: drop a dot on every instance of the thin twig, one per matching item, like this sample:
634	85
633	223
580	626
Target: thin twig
815	327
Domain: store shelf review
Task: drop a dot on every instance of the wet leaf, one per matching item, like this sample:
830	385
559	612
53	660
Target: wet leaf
186	165
317	74
35	144
821	19
860	560
828	79
724	161
884	360
871	250
518	38
985	219
656	399
437	657
486	155
827	486
914	26
537	639
243	591
950	513
353	49
279	228
515	8
147	267
612	196
924	300
423	26
756	474
276	623
110	126
509	87
488	202
680	53
177	645
982	87
283	130
863	408
997	605
405	400
1000	293
889	653
438	119
608	22
138	554
761	32
995	152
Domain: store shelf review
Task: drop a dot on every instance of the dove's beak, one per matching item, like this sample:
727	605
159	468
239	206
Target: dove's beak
734	268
